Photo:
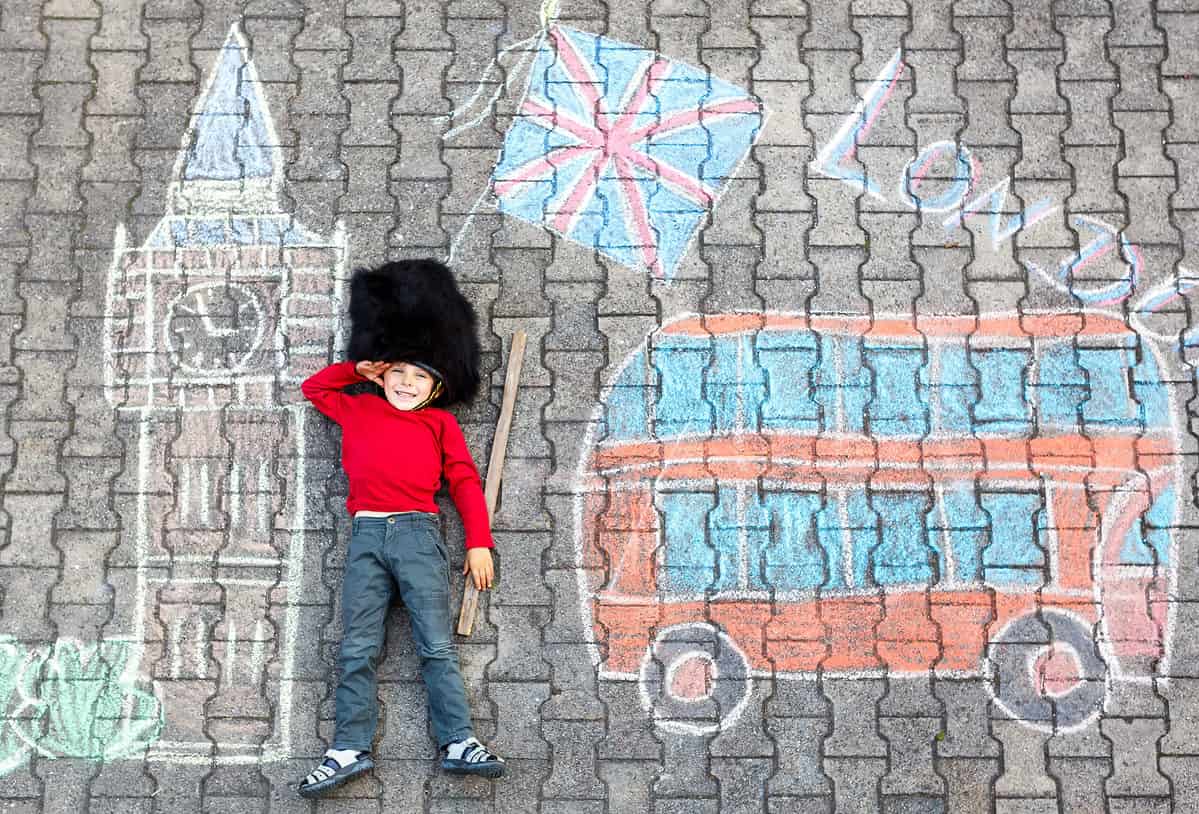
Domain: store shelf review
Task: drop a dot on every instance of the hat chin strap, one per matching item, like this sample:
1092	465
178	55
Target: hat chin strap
433	394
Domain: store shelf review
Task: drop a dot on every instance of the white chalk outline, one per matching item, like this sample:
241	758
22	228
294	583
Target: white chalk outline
287	571
583	490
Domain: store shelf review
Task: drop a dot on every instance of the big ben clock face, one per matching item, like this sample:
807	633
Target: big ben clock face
214	328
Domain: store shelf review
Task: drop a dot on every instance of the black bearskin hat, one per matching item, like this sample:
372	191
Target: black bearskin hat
412	311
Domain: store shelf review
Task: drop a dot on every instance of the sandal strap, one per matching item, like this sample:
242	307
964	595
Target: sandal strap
478	753
327	769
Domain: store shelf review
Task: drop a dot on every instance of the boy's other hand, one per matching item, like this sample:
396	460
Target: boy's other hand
372	370
480	567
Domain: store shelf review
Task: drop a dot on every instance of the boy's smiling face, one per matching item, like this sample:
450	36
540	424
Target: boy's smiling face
407	386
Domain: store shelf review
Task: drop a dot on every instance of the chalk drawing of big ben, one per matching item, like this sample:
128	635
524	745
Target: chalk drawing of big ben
210	326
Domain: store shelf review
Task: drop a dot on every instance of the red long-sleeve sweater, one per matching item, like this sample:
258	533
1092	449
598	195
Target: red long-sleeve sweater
395	459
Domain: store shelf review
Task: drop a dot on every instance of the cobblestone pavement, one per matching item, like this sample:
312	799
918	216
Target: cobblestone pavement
852	468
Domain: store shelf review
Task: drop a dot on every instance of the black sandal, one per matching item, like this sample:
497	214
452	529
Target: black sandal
331	774
476	759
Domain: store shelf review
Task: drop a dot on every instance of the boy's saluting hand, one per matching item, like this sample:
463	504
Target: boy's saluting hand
372	370
480	567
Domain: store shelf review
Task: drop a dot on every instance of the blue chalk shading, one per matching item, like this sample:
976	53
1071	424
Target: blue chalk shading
952	396
1151	393
739	530
735	385
231	139
706	152
794	558
846	516
787	359
683	407
1148	541
1013	555
689	562
901	409
958	516
1004	407
904	555
1061	386
1110	396
626	409
843	384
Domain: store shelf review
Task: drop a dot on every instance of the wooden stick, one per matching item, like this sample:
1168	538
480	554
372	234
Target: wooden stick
495	469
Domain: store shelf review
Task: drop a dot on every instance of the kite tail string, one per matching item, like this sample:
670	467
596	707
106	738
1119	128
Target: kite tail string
547	15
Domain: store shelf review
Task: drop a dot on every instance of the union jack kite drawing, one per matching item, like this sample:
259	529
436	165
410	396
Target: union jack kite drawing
621	150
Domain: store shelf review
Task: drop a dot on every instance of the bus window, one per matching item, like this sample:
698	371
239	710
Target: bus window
688	561
1060	387
1148	541
793	558
896	407
904	555
734	384
739	528
682	407
1012	556
949	386
842	384
787	359
957	527
1003	407
847	525
1152	394
1110	397
625	412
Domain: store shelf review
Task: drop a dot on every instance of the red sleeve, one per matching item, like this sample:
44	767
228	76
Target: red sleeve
460	473
324	389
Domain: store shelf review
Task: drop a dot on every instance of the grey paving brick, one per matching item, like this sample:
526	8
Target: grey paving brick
518	730
575	773
910	745
628	783
1085	106
1090	113
850	775
1081	782
968	782
630	735
515	660
686	771
829	27
1024	770
855	732
169	57
1033	30
1138	91
742	783
799	772
1136	772
1142	144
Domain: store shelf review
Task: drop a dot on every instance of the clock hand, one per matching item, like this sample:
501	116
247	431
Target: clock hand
206	320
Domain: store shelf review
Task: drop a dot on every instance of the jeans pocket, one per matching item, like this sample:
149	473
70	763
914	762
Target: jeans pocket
439	544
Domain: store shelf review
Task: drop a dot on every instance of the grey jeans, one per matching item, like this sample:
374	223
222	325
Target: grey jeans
404	552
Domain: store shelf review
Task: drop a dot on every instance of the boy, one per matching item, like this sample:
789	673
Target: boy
414	336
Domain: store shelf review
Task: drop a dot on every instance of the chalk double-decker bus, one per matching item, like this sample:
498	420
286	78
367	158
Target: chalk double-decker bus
778	495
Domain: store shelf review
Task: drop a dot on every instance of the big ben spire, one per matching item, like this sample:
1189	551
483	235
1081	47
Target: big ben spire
229	162
210	325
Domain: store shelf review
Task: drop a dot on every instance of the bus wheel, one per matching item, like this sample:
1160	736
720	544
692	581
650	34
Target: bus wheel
694	679
1059	684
